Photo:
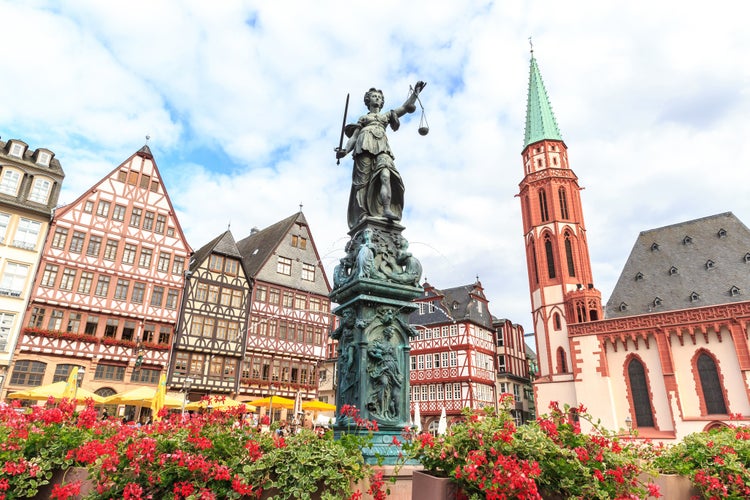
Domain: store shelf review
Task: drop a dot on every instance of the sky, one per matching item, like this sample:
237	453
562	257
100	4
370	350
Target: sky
243	103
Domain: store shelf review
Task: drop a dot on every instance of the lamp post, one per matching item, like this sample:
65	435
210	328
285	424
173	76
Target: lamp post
186	389
629	423
79	381
270	402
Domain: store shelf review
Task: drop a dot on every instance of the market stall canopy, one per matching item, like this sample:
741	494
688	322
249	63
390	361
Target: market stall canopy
55	391
276	401
220	403
316	405
141	396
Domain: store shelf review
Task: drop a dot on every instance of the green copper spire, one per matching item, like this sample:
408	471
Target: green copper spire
540	121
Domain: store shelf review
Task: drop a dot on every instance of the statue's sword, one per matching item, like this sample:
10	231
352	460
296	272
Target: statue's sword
343	125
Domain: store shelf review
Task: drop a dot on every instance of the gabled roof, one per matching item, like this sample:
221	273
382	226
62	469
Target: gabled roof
692	264
540	121
223	244
257	248
462	303
144	152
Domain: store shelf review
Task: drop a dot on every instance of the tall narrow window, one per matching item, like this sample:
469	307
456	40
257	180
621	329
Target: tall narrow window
569	255
543	205
534	264
563	203
644	416
550	256
713	395
527	205
562	361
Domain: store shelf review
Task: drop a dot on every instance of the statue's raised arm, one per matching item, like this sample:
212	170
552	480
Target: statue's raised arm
410	105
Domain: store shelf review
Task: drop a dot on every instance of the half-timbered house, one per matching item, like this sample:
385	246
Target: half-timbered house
108	290
514	369
30	182
210	339
289	313
452	360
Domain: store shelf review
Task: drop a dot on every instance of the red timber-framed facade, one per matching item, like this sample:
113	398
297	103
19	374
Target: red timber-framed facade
30	182
670	355
289	314
452	360
108	289
211	334
514	368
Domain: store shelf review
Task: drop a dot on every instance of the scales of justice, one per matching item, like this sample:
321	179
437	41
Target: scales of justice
376	281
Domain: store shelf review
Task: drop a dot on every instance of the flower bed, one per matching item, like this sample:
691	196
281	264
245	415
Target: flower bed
487	456
214	455
207	456
717	461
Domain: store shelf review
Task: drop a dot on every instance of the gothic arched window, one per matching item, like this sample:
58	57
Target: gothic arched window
543	205
563	203
644	416
562	361
556	321
713	394
550	256
527	206
533	262
569	255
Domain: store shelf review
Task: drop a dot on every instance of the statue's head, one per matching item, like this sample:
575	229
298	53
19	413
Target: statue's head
370	93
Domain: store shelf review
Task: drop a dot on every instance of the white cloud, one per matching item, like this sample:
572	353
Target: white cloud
243	102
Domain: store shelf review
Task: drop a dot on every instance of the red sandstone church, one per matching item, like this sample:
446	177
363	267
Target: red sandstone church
669	354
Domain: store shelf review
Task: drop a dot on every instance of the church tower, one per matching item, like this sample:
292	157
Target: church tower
559	268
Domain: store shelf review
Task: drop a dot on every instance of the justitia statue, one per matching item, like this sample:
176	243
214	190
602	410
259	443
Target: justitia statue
375	284
377	188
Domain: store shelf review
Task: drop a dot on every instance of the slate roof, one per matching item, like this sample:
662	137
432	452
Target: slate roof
223	244
257	248
697	263
462	303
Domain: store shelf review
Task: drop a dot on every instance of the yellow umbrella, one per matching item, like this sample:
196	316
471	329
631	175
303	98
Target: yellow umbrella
219	403
161	393
316	405
56	391
276	401
141	396
72	385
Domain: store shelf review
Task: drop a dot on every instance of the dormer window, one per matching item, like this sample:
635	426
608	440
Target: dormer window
623	307
722	233
654	247
734	291
694	297
710	264
672	271
16	149
639	276
43	158
687	240
657	302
